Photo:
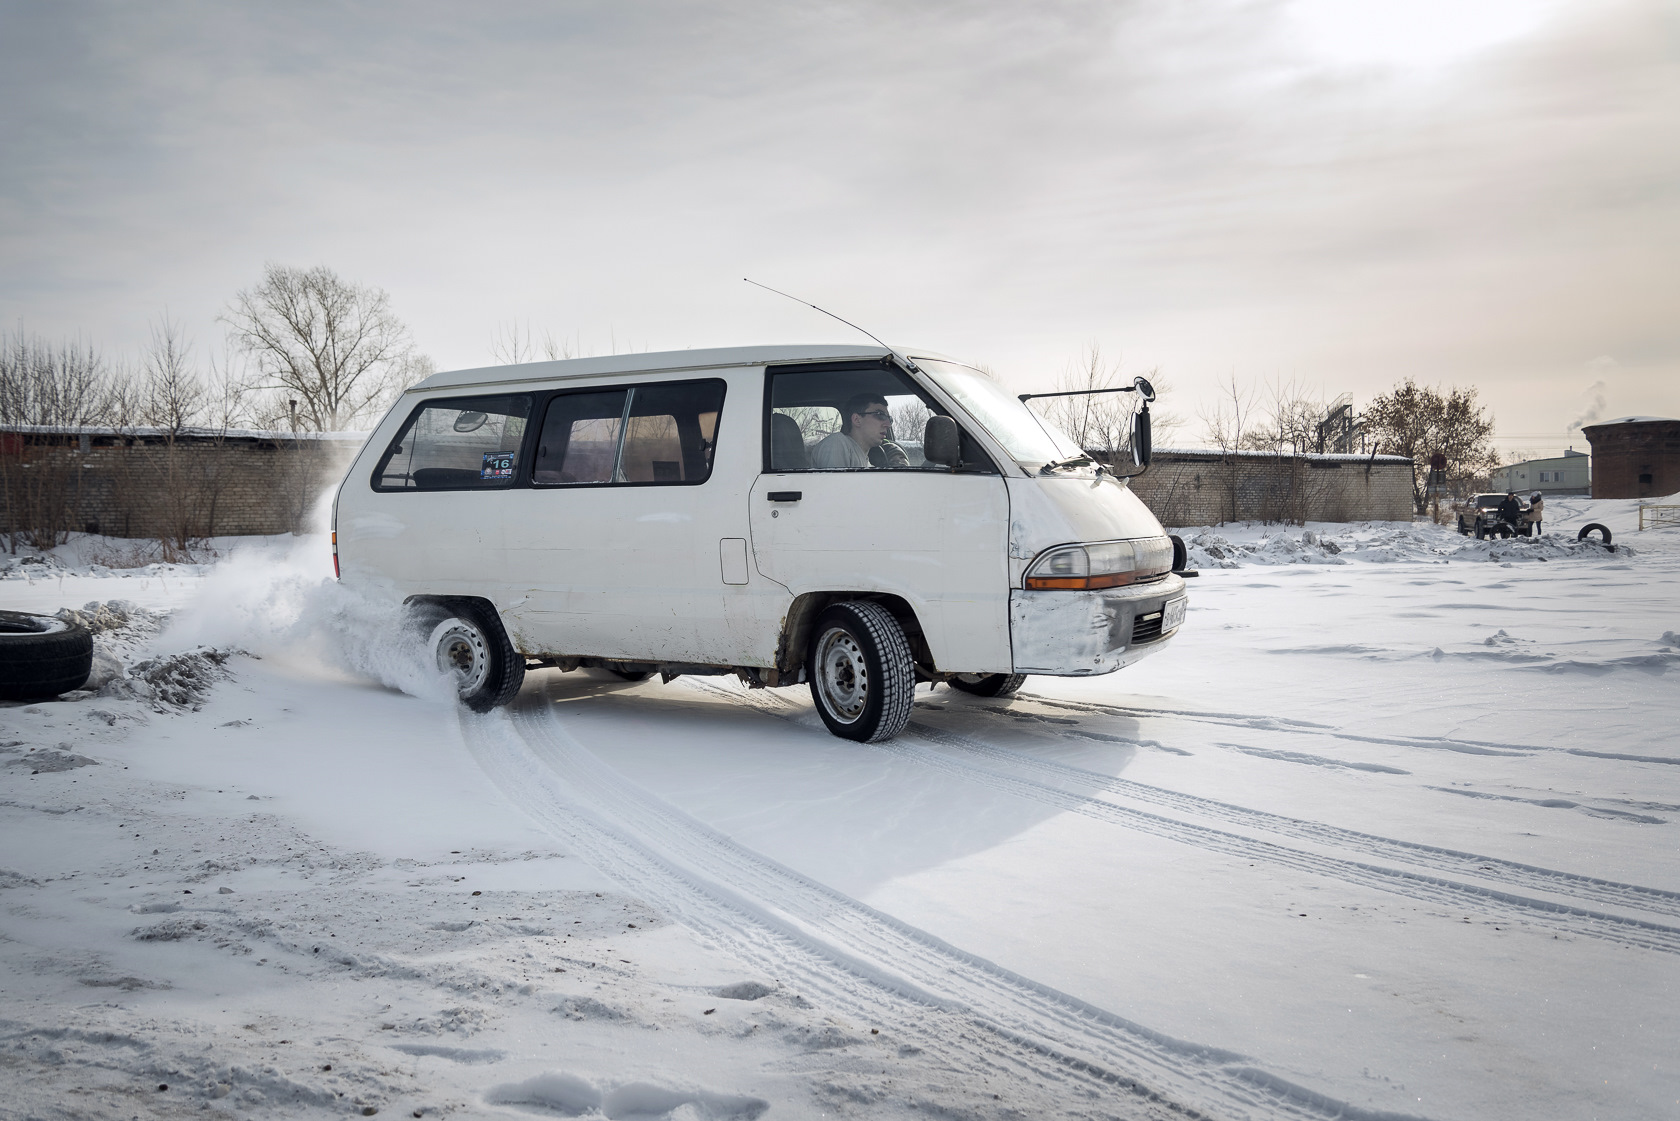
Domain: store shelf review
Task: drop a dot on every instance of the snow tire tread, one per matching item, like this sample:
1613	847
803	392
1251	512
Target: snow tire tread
507	670
896	677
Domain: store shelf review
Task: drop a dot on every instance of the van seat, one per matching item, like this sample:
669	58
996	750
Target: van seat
787	445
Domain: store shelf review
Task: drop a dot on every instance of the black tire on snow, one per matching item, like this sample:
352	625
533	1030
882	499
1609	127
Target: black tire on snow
1181	554
989	684
863	679
41	656
1481	532
468	641
1462	528
1603	530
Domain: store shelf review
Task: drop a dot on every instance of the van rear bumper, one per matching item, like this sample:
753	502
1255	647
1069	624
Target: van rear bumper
1083	634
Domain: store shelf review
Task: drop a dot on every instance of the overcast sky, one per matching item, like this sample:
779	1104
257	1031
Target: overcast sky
1340	192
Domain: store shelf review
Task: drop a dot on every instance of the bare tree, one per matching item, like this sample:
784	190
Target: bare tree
511	345
173	395
554	350
46	393
332	346
1287	420
1420	422
1227	424
1102	422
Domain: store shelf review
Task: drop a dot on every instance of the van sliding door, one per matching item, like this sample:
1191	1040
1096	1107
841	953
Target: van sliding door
614	548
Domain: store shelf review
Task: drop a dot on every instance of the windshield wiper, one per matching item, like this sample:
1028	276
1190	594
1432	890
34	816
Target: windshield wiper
1071	461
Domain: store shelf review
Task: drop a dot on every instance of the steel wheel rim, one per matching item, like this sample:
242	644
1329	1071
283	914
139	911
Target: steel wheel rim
842	675
972	678
463	654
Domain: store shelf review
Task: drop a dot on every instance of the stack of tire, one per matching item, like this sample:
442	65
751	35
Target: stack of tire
42	656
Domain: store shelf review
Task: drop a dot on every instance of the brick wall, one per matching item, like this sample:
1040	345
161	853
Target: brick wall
127	486
1207	488
1635	459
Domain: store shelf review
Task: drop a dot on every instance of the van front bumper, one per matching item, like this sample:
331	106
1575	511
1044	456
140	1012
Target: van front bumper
1083	634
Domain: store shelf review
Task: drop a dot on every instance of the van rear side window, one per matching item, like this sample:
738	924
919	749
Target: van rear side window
462	443
660	433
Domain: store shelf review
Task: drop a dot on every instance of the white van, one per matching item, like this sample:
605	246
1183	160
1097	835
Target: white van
747	511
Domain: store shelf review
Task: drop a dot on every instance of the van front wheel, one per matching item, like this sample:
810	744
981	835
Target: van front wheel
989	684
862	676
473	650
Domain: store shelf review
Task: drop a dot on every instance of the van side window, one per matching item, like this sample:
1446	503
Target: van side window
662	433
579	440
461	443
865	418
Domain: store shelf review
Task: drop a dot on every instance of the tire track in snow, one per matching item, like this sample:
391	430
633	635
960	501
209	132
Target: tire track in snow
863	961
1303	727
1425	887
1444	860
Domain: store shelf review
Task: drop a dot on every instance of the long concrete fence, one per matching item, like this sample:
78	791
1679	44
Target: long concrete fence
150	483
1188	487
197	483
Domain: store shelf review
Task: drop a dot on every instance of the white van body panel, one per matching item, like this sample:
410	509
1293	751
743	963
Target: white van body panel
936	540
636	573
1058	510
439	541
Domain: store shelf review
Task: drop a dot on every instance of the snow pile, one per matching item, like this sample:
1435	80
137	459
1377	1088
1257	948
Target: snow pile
89	555
1234	546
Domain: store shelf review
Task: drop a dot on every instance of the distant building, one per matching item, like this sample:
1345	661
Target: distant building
1635	457
1569	473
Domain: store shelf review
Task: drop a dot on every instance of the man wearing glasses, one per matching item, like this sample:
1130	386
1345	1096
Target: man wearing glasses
867	426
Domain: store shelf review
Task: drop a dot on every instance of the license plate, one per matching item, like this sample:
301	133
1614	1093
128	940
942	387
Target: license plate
1173	614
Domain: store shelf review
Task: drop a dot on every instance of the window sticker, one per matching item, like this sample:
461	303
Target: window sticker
497	465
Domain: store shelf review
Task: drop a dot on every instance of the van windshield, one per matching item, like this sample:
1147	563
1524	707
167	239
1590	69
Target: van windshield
1029	439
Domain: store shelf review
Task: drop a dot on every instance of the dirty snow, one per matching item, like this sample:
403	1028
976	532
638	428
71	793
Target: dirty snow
1387	831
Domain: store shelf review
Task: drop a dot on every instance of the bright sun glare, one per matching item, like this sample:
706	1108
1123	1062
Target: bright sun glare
1413	32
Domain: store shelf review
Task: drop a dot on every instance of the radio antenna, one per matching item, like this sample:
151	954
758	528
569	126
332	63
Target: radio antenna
901	359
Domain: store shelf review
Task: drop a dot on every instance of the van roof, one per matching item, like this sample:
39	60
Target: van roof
715	358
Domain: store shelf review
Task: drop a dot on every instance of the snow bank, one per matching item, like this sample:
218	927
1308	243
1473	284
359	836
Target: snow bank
1233	546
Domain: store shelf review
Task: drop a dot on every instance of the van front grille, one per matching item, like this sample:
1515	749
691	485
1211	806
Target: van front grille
1147	628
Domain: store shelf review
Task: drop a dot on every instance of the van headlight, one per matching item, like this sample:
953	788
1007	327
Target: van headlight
1106	564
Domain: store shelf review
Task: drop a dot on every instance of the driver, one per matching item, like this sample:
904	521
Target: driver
867	425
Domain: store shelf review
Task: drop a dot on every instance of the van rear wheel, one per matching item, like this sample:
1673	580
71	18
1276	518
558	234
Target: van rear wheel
989	684
473	650
862	676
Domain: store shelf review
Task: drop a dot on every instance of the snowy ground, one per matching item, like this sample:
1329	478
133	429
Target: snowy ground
1388	830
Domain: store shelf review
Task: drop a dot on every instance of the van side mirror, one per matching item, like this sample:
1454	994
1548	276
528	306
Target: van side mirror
1142	441
940	442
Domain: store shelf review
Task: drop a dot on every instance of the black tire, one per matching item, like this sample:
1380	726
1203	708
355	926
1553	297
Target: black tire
1587	529
468	642
631	674
1181	555
41	656
1481	532
989	684
863	679
1462	528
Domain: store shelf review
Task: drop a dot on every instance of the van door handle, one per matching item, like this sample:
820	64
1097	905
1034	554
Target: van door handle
785	495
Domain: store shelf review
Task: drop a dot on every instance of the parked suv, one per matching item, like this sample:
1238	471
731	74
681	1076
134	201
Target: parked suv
752	512
1480	516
